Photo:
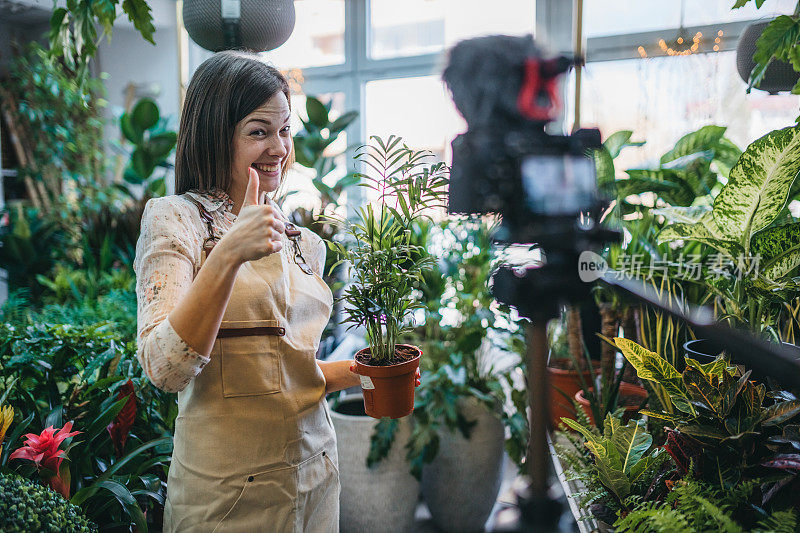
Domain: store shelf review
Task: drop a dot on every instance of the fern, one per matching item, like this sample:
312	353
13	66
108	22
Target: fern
695	506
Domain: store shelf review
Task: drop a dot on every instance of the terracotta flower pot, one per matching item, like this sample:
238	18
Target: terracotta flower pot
388	390
567	382
626	390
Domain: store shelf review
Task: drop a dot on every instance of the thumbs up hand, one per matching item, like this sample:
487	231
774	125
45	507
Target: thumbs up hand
257	230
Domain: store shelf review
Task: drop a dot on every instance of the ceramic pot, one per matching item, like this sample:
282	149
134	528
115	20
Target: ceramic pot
381	498
461	484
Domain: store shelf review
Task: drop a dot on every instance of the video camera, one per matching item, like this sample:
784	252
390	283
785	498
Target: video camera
506	163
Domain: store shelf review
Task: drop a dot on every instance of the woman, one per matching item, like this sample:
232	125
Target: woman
231	307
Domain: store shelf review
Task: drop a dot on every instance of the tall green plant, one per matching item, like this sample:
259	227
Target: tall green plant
383	262
745	226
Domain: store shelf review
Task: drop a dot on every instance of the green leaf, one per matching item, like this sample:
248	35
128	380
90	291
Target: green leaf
317	113
609	466
703	139
130	129
704	231
615	142
778	249
758	185
142	163
701	390
161	145
341	123
780	412
139	13
703	431
682	214
604	170
778	37
145	114
128	502
650	366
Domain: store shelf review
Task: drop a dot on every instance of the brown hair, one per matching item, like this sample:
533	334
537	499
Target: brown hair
224	89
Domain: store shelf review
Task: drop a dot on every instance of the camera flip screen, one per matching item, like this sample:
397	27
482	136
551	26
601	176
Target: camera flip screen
559	185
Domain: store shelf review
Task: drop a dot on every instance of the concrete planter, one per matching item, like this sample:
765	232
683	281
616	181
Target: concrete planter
460	486
382	498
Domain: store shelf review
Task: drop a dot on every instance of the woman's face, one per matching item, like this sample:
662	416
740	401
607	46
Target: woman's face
262	140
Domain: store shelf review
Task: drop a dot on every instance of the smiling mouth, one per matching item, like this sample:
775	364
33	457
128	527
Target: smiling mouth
266	168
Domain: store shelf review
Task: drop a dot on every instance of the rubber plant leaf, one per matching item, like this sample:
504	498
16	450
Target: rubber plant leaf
145	114
778	249
758	185
652	367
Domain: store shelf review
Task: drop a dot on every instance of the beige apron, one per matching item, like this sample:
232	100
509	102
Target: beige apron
254	444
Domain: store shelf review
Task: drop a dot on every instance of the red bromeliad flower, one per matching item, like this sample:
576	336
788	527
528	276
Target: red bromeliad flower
44	451
120	427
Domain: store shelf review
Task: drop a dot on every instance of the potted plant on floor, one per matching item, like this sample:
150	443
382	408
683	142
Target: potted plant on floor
384	264
567	368
464	405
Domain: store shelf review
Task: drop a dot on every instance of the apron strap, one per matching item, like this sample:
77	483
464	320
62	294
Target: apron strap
251	332
291	231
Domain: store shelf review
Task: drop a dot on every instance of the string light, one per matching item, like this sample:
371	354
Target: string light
681	46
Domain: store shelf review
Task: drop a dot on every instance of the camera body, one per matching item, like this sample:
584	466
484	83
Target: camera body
529	177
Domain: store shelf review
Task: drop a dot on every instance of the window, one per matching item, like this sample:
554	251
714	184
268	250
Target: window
415	27
318	37
418	109
661	98
616	17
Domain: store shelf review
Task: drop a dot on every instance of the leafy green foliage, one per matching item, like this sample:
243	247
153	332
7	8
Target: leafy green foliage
462	330
779	41
59	373
687	173
152	143
622	454
730	429
73	29
27	247
696	507
59	121
757	248
26	507
312	147
383	262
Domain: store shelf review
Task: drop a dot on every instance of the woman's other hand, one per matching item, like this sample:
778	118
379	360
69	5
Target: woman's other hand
417	376
257	231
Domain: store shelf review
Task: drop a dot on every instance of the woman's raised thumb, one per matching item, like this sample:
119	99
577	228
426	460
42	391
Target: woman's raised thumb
251	194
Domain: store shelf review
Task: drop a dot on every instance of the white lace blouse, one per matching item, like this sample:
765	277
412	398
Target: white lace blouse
167	261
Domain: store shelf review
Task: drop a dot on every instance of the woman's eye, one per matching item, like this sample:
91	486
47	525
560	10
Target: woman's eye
258	132
286	129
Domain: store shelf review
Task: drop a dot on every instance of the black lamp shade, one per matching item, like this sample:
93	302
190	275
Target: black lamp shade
262	25
780	76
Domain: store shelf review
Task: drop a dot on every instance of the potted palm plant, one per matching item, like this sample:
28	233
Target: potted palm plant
384	263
